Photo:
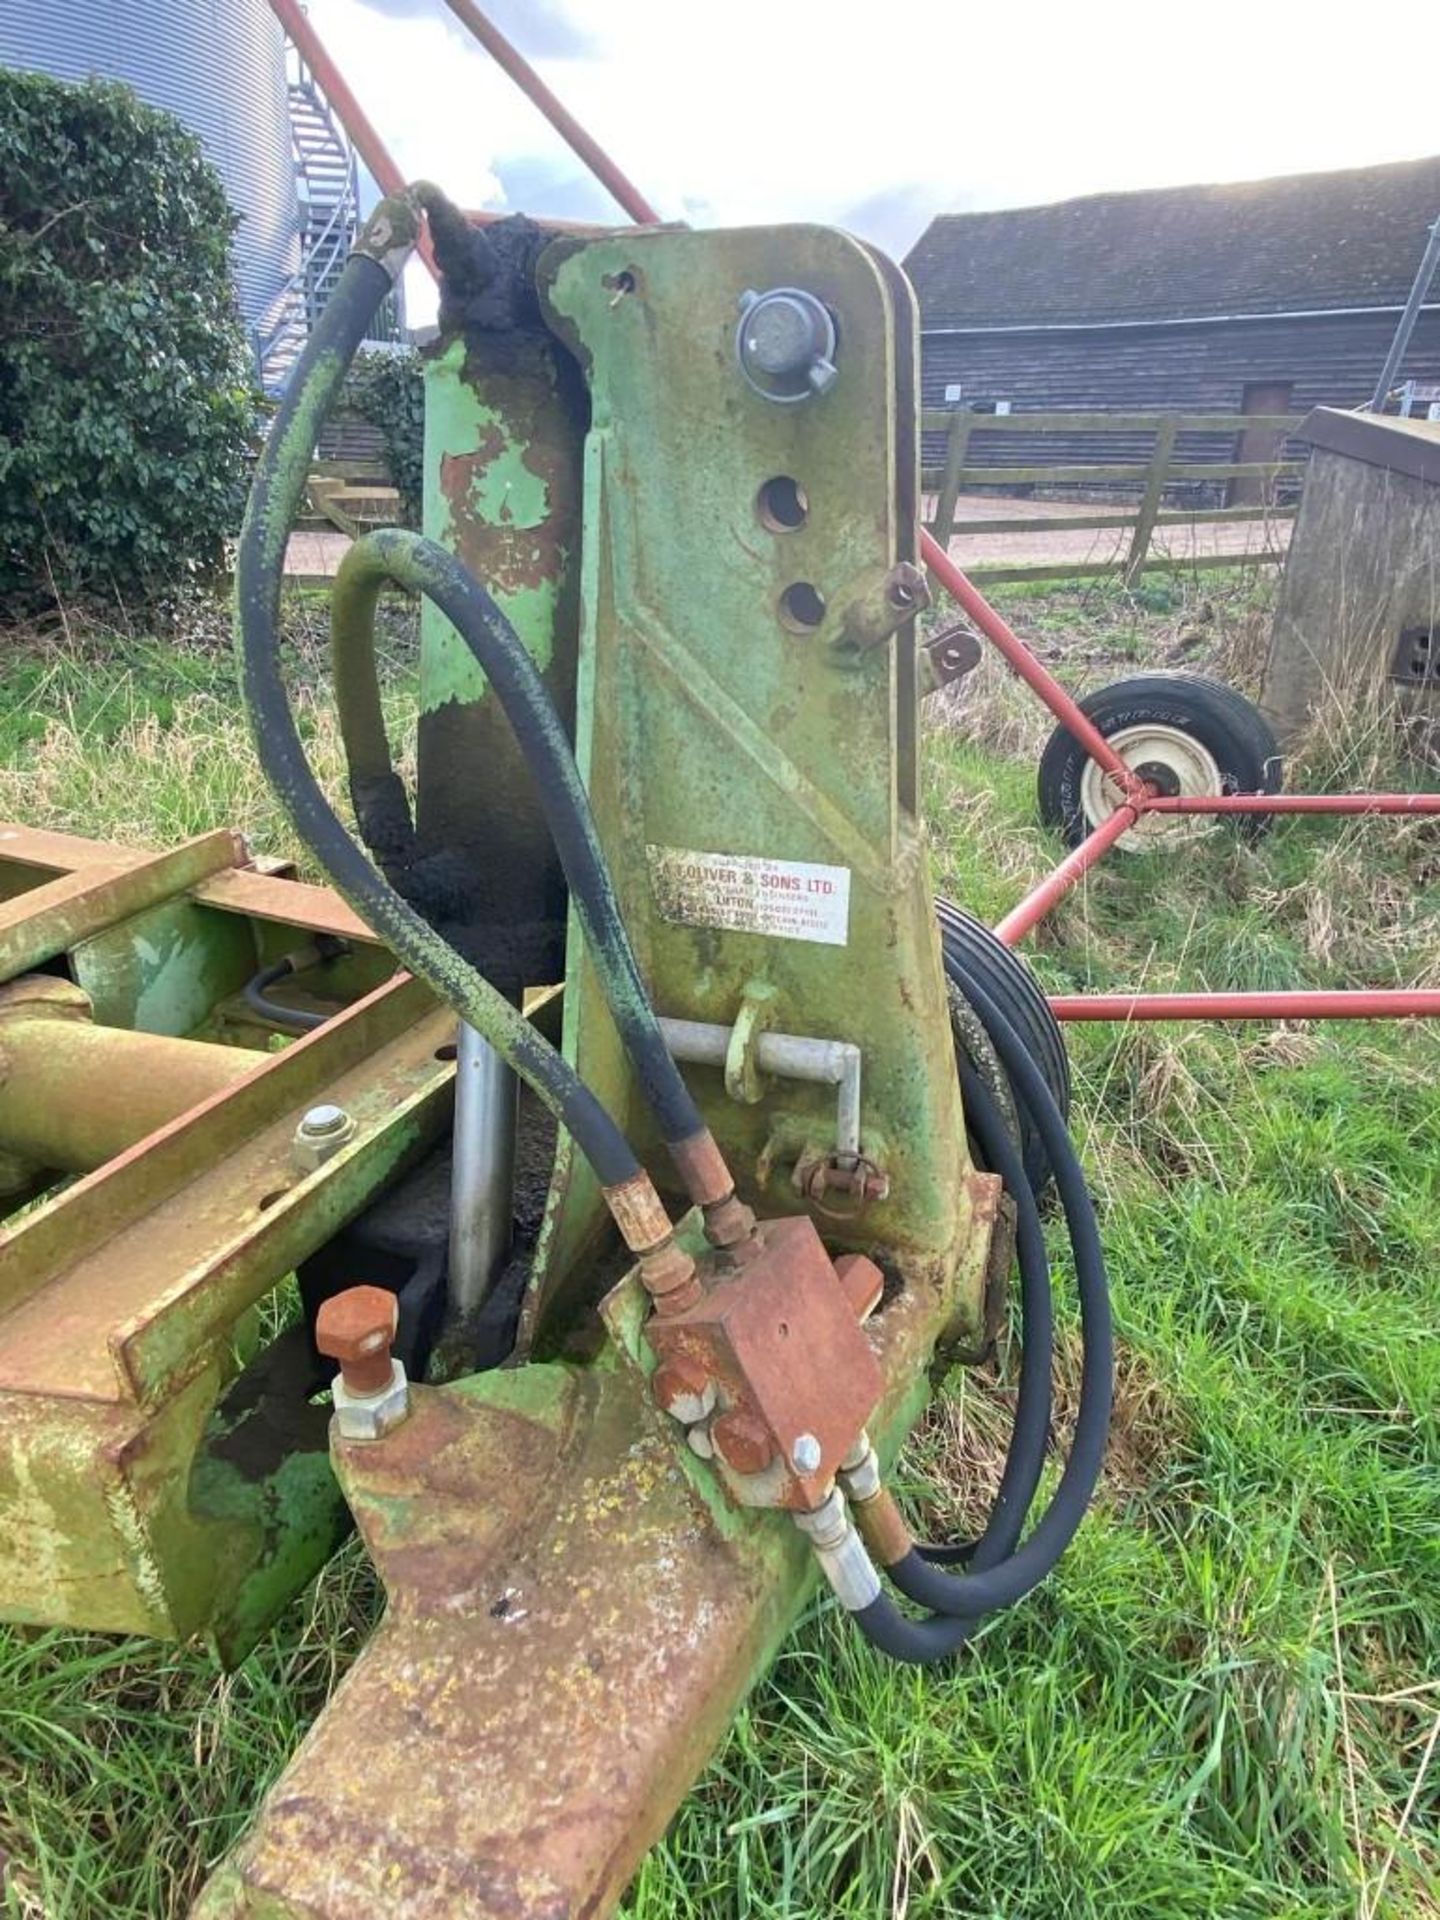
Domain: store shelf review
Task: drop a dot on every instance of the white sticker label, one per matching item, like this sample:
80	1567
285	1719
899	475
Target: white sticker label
790	899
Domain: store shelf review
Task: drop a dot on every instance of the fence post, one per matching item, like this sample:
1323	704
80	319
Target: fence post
1154	493
961	421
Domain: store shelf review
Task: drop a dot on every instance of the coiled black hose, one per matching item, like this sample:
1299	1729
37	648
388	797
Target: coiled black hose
961	1600
1025	1456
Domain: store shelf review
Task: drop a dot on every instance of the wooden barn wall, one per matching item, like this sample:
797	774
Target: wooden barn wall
1203	369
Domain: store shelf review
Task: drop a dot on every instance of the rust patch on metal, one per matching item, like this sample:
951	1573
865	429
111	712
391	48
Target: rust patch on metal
882	1527
781	1341
638	1212
356	1328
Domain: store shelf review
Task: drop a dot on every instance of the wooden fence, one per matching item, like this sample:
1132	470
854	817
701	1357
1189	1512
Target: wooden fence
1151	478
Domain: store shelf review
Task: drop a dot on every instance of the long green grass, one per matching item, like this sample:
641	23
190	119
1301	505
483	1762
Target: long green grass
1226	1702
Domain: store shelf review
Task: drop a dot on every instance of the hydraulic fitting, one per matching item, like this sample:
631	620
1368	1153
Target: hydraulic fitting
841	1553
880	1522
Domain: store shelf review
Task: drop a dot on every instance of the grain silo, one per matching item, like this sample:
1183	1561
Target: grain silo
219	66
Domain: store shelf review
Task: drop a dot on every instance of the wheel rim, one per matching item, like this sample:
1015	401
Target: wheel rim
1172	760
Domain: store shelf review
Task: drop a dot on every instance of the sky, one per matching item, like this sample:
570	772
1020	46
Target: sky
877	117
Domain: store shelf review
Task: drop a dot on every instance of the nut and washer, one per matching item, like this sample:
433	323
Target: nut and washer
370	1392
322	1132
370	1416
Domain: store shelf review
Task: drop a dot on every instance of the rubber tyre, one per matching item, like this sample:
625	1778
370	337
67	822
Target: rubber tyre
970	948
1222	721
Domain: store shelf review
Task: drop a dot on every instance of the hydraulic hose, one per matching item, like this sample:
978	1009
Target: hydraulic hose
287	1019
960	1601
275	497
1025	1457
392	554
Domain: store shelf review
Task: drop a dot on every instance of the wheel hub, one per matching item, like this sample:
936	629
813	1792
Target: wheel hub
1173	763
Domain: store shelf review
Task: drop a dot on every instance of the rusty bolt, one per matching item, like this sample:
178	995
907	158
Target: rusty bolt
743	1441
683	1389
356	1328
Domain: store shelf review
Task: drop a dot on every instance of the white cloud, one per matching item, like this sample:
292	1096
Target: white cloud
878	116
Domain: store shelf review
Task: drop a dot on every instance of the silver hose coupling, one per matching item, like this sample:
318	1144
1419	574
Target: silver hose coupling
860	1469
841	1552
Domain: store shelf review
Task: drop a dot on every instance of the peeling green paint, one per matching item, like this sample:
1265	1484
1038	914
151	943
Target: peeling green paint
472	456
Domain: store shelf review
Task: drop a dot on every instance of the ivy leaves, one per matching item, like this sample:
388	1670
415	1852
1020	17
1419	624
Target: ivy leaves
127	406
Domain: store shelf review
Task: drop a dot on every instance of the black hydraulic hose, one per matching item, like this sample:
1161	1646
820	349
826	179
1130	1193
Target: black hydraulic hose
424	566
1025	1457
295	1019
972	1594
275	496
961	1601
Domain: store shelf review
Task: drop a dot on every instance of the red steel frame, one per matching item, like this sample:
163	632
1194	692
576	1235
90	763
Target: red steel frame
1135	794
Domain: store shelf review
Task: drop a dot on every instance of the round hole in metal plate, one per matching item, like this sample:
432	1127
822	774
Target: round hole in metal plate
782	504
802	607
447	1052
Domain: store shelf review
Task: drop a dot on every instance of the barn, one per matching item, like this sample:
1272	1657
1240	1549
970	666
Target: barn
1268	297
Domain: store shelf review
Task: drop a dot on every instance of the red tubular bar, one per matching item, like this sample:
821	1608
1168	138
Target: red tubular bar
1044	685
353	117
514	63
1380	1003
1034	907
1417	803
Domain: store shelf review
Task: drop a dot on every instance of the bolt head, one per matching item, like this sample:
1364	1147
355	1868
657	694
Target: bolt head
805	1454
324	1119
742	1441
683	1389
356	1328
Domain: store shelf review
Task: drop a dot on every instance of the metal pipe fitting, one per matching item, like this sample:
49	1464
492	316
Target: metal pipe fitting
860	1470
788	1056
841	1553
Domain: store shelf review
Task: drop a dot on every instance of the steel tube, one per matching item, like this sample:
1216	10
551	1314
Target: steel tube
1381	1003
73	1094
1424	274
788	1056
1414	803
482	1179
1037	903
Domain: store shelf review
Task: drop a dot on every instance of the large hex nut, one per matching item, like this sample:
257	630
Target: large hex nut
370	1416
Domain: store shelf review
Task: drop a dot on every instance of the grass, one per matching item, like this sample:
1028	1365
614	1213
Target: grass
1225	1703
